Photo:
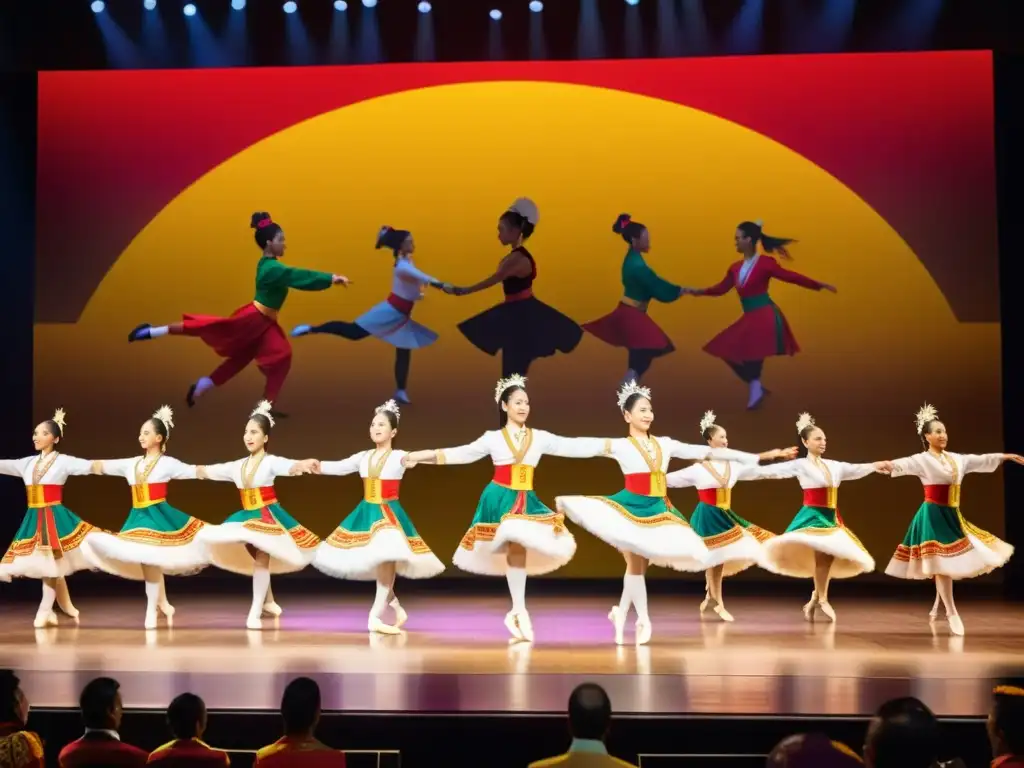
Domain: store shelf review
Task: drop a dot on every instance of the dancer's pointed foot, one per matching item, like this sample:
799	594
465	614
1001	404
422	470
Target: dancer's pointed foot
402	396
956	626
301	330
630	376
756	397
525	626
810	606
278	414
826	609
400	615
378	626
933	614
45	619
253	621
644	630
723	614
166	609
140	333
150	622
271	608
618	620
512	625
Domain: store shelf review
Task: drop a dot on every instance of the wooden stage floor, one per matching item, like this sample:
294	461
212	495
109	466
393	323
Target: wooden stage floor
455	656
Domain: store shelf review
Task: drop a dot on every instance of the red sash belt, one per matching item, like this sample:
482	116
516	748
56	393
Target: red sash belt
821	497
526	293
257	498
716	497
402	305
518	477
40	496
147	494
945	495
377	491
647	484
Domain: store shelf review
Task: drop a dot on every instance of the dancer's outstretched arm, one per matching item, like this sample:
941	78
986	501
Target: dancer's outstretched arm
513	265
408	272
463	454
344	467
574	447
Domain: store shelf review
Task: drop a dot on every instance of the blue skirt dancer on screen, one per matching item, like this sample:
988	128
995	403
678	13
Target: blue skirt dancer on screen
523	328
391	320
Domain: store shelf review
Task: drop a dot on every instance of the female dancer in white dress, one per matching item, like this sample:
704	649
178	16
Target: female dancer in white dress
156	539
261	538
48	545
940	543
377	540
733	543
391	320
817	544
639	520
513	533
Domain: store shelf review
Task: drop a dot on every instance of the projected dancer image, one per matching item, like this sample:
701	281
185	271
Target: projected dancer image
762	331
377	541
391	320
629	325
733	543
261	538
640	520
156	539
940	542
513	534
817	544
251	332
48	544
522	328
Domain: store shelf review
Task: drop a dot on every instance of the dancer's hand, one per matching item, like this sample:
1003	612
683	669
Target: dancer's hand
407	462
884	467
340	280
686	291
786	453
829	288
307	467
447	288
1013	457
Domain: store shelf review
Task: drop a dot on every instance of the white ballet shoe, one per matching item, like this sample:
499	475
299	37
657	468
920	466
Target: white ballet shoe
512	625
723	614
826	609
254	621
400	615
271	608
70	611
380	628
618	621
166	609
956	626
933	614
45	619
150	622
525	626
705	604
810	606
644	630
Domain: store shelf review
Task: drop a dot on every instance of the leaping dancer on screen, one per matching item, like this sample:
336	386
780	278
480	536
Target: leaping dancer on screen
391	320
522	327
629	325
251	332
762	331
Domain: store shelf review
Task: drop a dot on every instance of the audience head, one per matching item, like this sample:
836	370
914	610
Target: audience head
1006	718
300	706
100	703
590	712
13	702
186	716
902	734
812	750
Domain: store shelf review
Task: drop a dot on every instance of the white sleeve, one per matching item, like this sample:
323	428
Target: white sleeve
574	447
984	462
854	471
76	466
464	454
15	467
225	472
682	478
343	467
910	466
179	470
781	471
280	466
678	450
409	272
117	467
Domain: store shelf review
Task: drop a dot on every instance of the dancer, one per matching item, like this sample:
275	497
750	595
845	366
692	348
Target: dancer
513	533
377	540
522	327
629	325
817	544
762	331
940	543
261	538
733	543
48	545
156	539
639	520
251	332
391	320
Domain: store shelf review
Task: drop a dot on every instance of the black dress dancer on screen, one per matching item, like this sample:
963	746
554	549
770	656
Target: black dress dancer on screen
391	320
522	327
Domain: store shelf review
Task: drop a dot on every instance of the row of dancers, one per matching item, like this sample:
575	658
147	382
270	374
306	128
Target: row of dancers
513	533
522	328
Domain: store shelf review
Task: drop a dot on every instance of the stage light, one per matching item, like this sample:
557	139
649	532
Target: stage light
536	6
369	3
189	10
290	7
238	5
98	6
632	2
340	5
149	5
496	14
423	7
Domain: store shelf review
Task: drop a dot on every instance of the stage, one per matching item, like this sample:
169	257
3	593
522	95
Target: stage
455	656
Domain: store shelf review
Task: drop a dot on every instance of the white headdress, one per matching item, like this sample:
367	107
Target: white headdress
515	380
707	422
263	409
760	222
924	415
526	208
166	415
803	421
58	419
391	406
630	389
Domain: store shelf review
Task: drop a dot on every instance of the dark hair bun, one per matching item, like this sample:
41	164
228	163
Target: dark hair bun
621	223
257	217
381	234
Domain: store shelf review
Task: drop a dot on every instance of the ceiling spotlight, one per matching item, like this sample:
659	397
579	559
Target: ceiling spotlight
98	6
369	3
238	5
149	5
340	5
189	10
536	6
632	2
290	7
496	14
423	7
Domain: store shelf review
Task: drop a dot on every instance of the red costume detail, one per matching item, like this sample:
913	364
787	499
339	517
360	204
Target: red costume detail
629	327
96	748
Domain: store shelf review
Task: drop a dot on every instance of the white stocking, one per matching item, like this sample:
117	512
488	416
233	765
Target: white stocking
638	590
516	578
627	599
260	585
49	595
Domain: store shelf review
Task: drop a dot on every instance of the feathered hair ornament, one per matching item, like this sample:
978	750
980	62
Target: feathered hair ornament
924	415
515	380
526	208
707	422
263	408
58	419
165	415
391	406
803	421
630	389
